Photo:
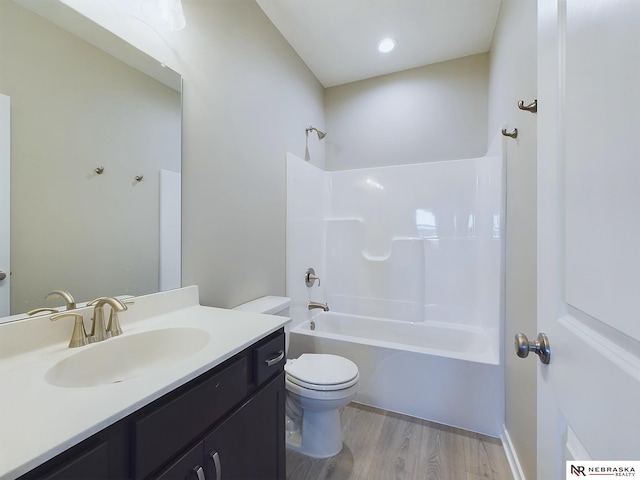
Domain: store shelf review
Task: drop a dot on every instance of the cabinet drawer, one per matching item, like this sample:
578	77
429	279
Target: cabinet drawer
161	434
269	359
93	463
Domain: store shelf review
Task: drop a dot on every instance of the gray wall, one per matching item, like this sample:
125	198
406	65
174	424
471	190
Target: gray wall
435	112
247	100
513	78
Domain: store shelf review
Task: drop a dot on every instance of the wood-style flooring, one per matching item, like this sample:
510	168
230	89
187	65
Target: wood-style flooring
381	445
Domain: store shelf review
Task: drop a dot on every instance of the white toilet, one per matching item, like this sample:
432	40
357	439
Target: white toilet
318	385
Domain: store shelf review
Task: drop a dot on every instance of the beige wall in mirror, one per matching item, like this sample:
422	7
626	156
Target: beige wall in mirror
75	108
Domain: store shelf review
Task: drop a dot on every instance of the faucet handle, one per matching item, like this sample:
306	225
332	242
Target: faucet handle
79	336
41	310
310	277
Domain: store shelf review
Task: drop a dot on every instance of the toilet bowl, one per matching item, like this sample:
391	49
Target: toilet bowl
318	385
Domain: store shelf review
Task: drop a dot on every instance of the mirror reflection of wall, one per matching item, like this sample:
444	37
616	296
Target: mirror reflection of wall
75	108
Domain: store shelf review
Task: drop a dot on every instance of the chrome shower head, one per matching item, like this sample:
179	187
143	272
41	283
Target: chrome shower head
321	135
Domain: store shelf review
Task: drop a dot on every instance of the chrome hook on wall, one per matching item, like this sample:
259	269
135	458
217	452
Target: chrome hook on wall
532	107
99	170
513	133
139	178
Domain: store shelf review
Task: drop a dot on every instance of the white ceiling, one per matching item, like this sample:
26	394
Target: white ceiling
337	39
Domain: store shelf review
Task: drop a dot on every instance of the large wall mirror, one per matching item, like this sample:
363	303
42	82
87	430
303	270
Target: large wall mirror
95	162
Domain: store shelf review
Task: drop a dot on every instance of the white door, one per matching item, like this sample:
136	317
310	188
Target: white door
588	232
5	177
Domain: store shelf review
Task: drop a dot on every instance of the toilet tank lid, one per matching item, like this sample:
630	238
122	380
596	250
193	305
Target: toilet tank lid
269	305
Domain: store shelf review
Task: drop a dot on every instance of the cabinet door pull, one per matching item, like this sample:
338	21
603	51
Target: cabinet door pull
216	464
270	362
199	473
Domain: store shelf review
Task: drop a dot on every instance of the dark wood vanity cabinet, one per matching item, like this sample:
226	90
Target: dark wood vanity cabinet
243	446
227	423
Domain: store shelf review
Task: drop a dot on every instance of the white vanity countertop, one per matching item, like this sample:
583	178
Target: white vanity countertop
39	420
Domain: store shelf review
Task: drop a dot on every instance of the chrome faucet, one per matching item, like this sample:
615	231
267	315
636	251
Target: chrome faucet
71	303
98	330
323	306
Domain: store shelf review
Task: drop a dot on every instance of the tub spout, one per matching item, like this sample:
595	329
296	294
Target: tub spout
323	306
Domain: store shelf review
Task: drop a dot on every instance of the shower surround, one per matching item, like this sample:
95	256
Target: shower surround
410	260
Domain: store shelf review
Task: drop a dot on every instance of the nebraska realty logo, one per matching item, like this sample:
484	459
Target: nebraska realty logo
601	469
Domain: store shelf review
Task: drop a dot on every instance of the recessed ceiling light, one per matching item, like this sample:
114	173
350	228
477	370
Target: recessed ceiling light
386	45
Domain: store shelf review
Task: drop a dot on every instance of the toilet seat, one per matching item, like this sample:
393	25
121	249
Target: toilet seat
322	372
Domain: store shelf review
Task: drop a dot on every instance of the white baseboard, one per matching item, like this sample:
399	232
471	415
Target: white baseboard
512	457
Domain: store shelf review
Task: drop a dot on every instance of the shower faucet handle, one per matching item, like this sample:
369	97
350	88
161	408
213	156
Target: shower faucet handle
310	277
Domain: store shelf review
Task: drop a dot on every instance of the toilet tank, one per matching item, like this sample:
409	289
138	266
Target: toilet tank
269	305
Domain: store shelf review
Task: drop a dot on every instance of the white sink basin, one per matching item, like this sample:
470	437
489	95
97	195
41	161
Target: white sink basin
128	356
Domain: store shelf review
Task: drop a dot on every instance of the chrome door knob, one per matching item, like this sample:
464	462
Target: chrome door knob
540	347
2	275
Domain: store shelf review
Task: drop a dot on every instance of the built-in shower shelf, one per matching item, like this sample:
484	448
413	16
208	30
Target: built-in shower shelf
388	256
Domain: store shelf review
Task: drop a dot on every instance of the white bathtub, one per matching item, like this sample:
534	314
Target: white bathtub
446	373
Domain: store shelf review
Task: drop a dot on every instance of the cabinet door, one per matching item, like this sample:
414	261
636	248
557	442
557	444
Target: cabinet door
250	444
187	467
168	429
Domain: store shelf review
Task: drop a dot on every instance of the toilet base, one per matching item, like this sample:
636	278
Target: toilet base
325	434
